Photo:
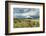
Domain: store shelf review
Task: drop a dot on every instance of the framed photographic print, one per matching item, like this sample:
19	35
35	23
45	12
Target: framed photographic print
24	17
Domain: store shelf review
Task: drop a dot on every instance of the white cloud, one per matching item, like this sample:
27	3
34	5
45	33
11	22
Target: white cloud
27	13
30	13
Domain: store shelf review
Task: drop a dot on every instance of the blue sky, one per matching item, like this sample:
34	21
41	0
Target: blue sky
25	12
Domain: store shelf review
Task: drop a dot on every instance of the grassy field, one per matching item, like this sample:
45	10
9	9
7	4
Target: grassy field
25	22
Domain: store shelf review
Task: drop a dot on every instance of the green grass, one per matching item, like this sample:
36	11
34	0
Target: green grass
21	23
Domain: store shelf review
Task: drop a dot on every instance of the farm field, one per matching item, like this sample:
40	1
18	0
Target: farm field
25	22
